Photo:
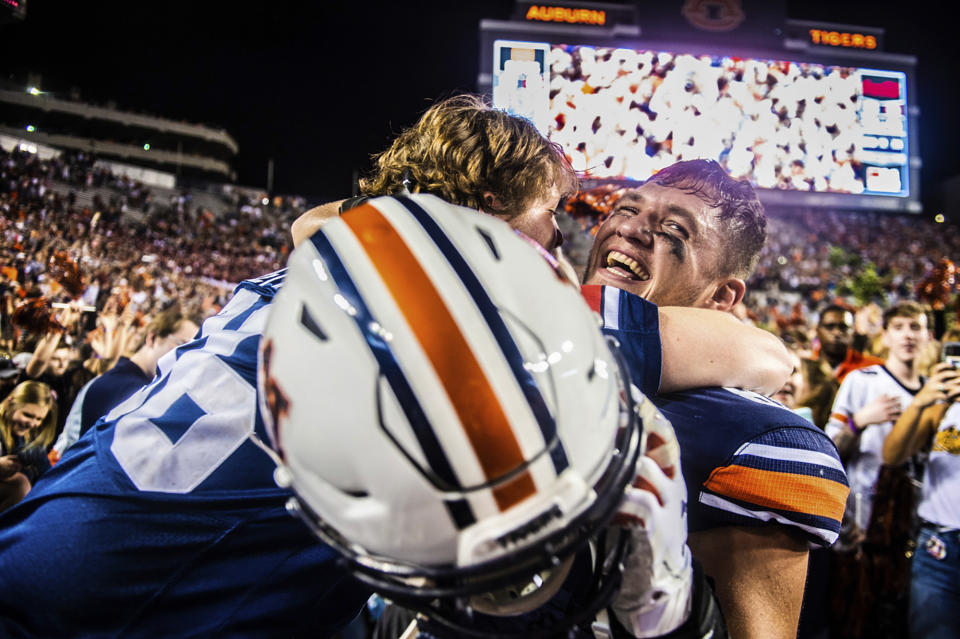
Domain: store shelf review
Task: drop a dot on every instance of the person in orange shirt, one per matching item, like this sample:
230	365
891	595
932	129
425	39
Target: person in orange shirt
833	360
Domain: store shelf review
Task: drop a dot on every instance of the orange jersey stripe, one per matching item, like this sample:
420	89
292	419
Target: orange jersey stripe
483	419
840	417
783	491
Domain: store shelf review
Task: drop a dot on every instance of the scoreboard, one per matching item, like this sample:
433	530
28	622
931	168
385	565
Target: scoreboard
811	114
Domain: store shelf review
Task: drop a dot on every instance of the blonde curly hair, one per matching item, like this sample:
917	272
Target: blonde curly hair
462	148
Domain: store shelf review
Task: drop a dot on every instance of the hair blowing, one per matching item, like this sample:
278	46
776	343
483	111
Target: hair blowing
462	148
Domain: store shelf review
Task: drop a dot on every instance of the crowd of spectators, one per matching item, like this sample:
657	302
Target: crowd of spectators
126	268
178	252
780	124
812	256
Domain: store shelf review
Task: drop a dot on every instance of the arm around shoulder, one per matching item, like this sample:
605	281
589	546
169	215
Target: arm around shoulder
308	223
703	347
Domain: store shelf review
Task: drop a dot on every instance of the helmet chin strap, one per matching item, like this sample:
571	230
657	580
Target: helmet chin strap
458	616
525	596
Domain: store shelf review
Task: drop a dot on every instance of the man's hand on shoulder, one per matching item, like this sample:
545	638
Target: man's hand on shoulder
308	223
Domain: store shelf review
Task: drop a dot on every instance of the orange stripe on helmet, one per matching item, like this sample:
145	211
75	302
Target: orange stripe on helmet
783	491
480	412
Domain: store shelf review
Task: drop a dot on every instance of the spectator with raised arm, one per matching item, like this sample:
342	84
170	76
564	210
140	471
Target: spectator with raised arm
931	423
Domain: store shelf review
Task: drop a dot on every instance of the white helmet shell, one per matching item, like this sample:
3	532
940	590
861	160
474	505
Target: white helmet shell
439	397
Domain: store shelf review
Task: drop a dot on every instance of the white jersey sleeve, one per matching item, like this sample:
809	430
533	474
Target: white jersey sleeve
850	398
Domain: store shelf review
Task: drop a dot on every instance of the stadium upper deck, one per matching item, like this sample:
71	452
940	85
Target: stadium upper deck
155	142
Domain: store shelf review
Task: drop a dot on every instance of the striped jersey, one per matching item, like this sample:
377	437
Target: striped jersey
167	510
747	460
859	388
635	324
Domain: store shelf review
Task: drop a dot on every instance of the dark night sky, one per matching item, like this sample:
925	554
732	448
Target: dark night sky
319	89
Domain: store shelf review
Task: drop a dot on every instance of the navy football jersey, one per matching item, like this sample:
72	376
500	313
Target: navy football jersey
748	460
635	324
164	519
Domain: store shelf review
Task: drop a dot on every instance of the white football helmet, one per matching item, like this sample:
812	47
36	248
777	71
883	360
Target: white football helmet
443	403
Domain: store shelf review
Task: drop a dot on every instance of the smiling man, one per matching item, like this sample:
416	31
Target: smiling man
661	242
763	484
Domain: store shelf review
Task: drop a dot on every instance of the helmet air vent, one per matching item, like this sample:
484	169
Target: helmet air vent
309	323
490	243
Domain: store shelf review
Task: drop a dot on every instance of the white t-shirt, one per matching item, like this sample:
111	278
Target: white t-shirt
858	388
940	503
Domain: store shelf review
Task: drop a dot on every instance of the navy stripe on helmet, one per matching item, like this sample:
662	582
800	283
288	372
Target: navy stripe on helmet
390	369
548	426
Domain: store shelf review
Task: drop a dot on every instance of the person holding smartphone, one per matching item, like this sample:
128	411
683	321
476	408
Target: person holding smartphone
870	400
932	422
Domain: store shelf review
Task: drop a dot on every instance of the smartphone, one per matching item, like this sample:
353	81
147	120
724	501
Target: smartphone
951	353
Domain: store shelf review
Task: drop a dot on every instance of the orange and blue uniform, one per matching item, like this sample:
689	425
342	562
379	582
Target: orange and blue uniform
747	460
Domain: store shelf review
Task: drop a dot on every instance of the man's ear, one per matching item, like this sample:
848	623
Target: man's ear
491	203
728	294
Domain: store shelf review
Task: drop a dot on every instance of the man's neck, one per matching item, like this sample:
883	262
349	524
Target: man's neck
835	360
904	370
145	362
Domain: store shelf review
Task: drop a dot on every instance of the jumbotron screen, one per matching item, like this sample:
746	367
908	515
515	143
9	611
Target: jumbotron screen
621	113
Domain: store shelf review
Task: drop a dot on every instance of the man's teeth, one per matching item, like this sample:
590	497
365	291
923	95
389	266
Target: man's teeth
616	258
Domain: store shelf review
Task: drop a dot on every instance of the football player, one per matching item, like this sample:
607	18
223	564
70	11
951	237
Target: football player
182	528
763	483
496	438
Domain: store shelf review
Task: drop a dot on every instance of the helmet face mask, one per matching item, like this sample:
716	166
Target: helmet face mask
446	410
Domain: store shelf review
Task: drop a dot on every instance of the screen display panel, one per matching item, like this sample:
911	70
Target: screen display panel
625	113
